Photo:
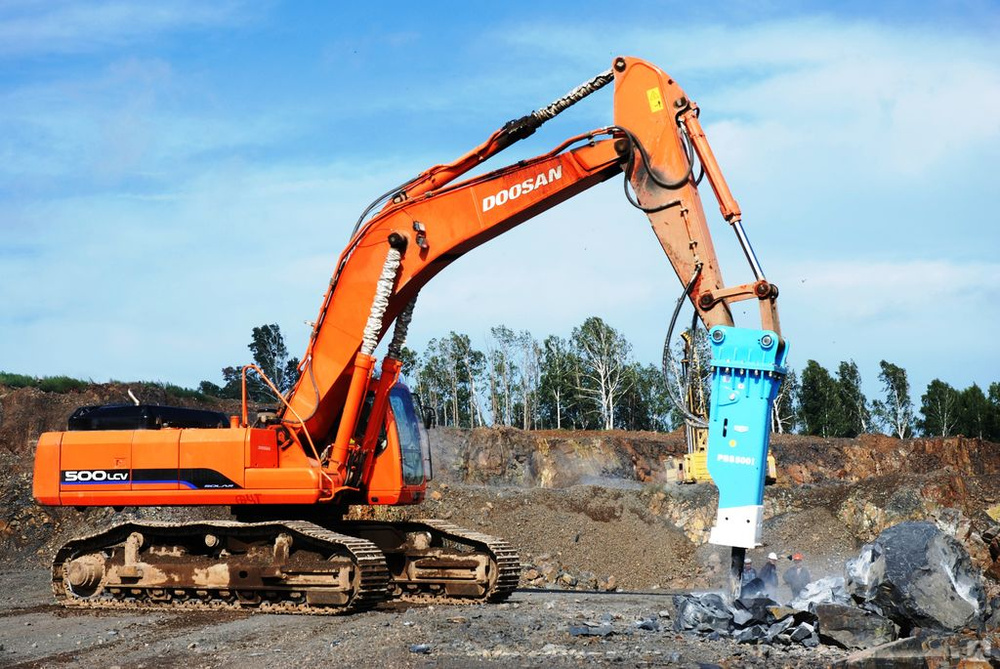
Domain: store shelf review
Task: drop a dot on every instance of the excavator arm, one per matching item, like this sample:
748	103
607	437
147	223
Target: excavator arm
345	437
658	141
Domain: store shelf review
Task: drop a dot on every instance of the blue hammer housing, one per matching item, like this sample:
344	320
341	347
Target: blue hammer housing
747	369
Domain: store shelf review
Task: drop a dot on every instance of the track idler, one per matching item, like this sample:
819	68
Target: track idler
432	561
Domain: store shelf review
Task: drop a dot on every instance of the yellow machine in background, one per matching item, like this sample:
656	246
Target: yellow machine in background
694	467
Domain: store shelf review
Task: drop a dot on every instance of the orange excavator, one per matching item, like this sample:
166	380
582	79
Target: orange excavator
346	436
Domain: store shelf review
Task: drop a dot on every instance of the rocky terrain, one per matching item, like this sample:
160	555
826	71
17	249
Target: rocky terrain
605	535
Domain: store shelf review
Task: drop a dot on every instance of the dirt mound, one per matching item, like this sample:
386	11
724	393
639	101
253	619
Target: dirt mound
604	531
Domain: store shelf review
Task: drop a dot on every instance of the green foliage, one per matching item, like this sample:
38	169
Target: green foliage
410	361
269	354
17	380
973	412
183	393
857	417
61	384
67	384
820	407
993	423
49	384
450	379
939	410
558	406
896	411
645	405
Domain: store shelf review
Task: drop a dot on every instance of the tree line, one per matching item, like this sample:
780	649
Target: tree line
834	405
590	381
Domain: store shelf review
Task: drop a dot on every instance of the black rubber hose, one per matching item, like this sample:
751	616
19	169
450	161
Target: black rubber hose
698	421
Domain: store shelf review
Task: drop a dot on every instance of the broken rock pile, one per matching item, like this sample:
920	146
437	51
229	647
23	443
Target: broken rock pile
748	620
913	577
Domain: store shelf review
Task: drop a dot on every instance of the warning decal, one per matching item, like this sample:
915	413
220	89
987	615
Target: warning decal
655	99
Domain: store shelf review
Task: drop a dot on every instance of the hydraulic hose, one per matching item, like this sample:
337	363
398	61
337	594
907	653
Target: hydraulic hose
662	182
697	421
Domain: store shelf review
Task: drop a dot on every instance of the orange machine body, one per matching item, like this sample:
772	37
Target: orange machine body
172	466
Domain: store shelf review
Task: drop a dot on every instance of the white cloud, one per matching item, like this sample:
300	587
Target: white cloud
134	120
859	293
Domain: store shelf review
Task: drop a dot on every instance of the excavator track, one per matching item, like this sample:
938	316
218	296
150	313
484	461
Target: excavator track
284	567
434	562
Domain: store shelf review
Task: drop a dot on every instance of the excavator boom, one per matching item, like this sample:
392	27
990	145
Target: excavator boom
344	436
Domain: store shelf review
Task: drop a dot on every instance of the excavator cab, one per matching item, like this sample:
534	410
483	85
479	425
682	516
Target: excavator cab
401	466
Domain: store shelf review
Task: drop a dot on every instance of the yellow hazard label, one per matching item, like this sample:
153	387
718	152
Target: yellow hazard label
655	99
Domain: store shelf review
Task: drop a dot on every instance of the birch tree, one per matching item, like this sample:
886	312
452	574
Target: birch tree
853	400
267	345
529	378
896	411
604	355
939	408
438	381
784	415
468	366
556	383
501	372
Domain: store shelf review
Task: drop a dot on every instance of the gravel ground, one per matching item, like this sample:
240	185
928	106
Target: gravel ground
535	628
632	530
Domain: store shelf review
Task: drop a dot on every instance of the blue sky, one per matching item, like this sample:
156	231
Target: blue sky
174	174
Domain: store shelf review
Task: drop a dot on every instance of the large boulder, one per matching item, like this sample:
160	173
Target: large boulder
918	576
851	627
